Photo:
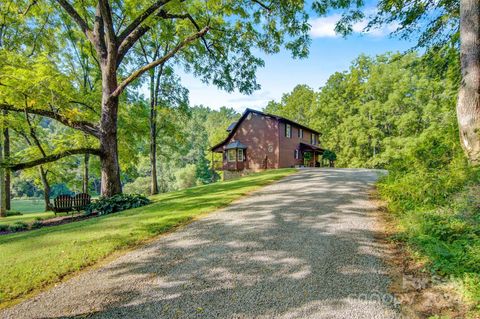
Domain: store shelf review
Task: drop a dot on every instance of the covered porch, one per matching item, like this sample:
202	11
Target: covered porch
311	154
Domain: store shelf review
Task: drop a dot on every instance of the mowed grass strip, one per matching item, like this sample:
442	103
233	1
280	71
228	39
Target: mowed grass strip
32	209
31	260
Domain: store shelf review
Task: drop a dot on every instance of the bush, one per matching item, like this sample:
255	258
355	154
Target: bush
36	224
13	213
187	176
18	226
116	203
4	227
139	186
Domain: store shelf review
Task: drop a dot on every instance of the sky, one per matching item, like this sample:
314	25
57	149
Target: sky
329	53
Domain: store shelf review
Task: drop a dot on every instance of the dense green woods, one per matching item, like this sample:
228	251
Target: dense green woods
183	159
396	112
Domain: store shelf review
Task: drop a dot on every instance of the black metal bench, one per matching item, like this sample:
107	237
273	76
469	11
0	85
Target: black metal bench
67	203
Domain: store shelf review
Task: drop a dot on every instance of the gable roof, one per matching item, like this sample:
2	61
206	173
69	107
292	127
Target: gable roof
234	126
231	126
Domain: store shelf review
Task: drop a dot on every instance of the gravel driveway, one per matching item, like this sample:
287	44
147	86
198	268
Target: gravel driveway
303	247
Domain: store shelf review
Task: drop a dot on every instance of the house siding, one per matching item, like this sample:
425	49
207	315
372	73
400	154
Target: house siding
289	145
266	144
260	134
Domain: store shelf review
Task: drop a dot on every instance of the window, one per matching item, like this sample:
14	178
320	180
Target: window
232	155
288	130
313	139
297	154
241	155
300	133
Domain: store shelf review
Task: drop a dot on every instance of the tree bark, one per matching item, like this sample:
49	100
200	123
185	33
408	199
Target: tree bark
110	168
85	173
153	135
46	188
2	186
468	105
6	154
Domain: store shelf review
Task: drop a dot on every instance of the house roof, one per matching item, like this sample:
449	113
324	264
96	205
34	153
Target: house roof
245	114
231	126
235	144
306	146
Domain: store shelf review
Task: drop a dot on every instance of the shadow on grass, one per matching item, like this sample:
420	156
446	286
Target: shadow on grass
299	249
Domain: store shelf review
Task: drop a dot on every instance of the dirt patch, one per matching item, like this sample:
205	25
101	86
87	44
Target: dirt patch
420	293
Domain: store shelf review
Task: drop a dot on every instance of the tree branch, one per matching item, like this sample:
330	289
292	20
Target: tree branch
188	16
77	18
142	17
50	158
262	5
83	126
111	38
160	61
136	30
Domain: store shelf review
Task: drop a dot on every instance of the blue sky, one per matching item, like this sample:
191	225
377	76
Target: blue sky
329	53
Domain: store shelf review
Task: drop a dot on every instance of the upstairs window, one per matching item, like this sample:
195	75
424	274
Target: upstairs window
313	139
300	133
232	155
288	130
241	155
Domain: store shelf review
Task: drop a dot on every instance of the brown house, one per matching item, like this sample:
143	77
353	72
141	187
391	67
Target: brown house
262	141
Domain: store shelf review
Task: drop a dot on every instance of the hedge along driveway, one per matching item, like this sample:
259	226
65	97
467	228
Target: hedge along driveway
32	260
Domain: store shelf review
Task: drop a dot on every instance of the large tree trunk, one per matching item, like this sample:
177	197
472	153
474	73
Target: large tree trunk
2	186
108	146
468	107
6	154
85	173
153	135
110	167
46	188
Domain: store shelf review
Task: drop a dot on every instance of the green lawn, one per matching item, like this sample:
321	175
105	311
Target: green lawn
28	205
34	259
31	209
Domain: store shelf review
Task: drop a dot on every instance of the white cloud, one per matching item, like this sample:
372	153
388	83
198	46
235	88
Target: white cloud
324	27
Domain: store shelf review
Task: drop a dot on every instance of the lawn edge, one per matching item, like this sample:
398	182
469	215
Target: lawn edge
125	250
413	287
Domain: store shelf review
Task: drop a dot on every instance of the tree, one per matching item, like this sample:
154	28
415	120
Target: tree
165	91
449	22
214	41
2	188
297	105
330	156
468	105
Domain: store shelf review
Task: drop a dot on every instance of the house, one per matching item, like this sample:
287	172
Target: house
262	141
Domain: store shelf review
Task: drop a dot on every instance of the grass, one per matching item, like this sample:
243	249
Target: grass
28	205
437	214
32	260
32	209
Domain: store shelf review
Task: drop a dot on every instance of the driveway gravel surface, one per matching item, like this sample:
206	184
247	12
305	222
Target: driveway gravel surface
303	247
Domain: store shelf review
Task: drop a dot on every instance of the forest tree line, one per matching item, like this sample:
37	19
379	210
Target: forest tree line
395	112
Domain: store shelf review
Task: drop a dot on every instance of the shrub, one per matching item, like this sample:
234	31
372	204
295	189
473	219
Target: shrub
3	227
187	176
18	226
36	224
13	213
116	203
139	186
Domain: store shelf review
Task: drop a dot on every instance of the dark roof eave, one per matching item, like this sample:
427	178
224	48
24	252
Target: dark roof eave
244	115
310	146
